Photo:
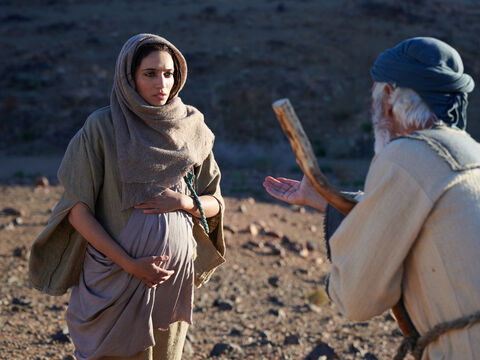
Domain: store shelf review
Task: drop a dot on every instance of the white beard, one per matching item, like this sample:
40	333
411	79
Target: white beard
381	129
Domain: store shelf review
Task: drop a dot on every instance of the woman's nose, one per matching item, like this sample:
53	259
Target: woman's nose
160	83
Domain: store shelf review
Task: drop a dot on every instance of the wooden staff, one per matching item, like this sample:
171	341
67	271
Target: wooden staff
308	163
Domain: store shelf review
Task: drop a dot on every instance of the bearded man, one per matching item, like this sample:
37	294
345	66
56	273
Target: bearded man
415	233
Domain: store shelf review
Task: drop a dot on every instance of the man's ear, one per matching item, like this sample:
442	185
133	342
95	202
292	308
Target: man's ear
386	106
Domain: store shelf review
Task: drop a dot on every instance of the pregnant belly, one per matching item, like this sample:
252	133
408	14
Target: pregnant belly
159	234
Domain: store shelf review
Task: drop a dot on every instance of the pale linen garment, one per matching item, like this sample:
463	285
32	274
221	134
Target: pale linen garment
112	312
414	231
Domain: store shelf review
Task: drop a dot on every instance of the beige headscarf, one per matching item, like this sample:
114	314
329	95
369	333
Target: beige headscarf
156	145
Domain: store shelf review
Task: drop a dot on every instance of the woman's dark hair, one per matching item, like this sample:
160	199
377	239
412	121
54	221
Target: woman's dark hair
144	50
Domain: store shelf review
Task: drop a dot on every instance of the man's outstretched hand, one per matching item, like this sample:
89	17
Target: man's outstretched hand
295	192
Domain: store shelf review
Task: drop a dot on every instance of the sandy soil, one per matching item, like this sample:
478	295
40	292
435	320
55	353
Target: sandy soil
259	305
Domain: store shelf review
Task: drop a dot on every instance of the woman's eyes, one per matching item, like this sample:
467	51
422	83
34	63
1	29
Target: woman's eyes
167	74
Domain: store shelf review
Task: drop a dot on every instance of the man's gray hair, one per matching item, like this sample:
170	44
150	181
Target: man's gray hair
407	106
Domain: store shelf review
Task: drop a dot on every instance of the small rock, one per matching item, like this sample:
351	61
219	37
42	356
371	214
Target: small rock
235	332
310	246
291	340
273	280
251	200
369	356
13	279
274	234
275	249
41	181
252	229
230	228
275	300
322	351
20	252
23	301
226	349
277	312
313	228
18	221
61	336
9	226
318	297
223	304
303	252
252	244
243	209
9	211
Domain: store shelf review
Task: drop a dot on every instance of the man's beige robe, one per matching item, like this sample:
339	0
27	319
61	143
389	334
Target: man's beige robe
417	232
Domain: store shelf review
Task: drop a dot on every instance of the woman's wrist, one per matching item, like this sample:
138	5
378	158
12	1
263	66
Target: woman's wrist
188	204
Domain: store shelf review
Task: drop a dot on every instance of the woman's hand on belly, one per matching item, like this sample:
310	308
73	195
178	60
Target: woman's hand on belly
148	270
167	201
171	200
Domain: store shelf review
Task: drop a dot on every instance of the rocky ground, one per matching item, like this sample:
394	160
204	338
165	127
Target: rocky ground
265	302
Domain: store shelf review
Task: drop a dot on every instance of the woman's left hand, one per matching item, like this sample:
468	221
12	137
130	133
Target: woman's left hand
167	201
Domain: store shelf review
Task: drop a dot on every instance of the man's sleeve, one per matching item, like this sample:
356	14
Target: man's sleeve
372	242
333	219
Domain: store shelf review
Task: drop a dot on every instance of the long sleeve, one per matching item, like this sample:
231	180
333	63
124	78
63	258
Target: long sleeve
370	246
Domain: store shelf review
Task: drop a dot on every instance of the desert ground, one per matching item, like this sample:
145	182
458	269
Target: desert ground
267	300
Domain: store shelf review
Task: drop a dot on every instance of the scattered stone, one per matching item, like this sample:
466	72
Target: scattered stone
223	304
397	333
20	252
276	250
274	234
13	279
235	332
251	200
243	209
300	271
304	252
61	336
252	230
23	301
277	312
318	297
18	221
273	280
41	181
9	211
275	300
313	228
310	246
226	349
322	351
230	228
291	340
252	244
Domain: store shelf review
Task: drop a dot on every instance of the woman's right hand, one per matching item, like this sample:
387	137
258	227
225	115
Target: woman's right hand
148	270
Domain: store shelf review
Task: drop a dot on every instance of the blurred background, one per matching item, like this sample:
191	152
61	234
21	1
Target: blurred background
58	58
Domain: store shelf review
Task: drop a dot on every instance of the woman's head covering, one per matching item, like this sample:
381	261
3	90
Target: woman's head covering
156	145
126	57
434	70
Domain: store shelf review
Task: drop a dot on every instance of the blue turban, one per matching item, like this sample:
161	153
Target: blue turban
434	70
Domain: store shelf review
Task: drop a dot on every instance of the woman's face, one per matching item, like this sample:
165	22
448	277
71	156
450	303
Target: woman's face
154	78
